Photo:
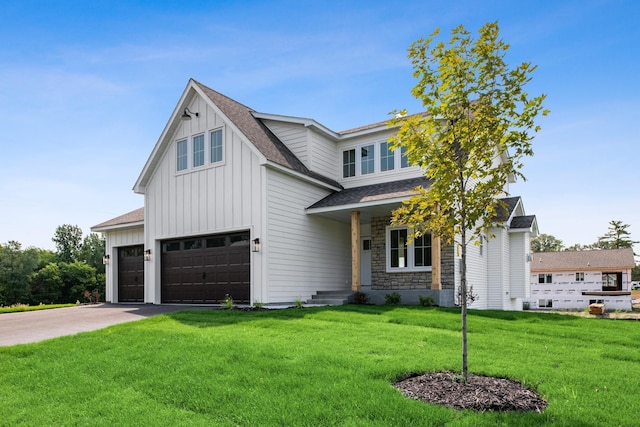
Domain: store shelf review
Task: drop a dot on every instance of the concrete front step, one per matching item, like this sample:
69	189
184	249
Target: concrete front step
330	298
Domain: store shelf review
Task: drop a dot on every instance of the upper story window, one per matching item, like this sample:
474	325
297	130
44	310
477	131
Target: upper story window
193	154
349	163
367	159
216	146
580	277
387	158
404	161
403	256
362	160
198	150
182	155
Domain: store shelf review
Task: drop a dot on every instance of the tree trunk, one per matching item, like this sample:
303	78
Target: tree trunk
463	303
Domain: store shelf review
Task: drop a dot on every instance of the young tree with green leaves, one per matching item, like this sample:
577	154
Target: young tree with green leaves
478	125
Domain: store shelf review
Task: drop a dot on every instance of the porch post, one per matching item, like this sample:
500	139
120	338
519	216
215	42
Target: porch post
436	281
355	250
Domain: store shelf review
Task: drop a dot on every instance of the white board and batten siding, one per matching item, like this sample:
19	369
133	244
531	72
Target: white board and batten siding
306	253
118	239
209	199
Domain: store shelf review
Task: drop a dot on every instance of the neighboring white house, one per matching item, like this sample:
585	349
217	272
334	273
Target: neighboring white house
576	279
272	209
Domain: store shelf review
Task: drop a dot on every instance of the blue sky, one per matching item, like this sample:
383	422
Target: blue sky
86	88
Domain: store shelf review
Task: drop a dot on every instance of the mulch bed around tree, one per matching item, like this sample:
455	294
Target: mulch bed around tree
480	393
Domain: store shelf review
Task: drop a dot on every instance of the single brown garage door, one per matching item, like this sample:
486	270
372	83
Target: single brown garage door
131	274
203	270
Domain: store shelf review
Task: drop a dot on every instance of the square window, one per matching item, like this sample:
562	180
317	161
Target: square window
349	163
401	255
198	150
580	277
181	155
216	146
387	158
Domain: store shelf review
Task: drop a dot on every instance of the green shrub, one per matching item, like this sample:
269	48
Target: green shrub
426	301
360	298
392	298
228	302
298	303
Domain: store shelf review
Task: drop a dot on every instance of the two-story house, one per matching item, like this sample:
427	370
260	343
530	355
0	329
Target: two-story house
575	279
273	209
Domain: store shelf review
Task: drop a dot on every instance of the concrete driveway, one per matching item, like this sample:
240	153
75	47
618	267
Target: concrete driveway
32	326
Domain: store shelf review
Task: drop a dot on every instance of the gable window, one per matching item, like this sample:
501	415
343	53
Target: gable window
216	146
367	159
181	155
349	163
545	278
198	150
403	256
580	277
387	159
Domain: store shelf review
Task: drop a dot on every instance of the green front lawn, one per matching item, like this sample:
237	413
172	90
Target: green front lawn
319	366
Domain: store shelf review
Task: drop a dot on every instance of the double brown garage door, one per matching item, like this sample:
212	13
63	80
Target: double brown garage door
204	270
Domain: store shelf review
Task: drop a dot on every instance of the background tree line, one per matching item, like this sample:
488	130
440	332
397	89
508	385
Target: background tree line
616	237
34	276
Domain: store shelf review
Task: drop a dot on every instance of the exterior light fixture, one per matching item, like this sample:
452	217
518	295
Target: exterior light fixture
147	255
106	259
186	115
256	245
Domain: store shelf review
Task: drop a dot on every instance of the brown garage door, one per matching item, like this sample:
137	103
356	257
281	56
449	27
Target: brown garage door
203	270
131	274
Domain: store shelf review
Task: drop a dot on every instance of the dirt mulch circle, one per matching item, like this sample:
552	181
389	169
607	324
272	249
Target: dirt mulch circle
479	394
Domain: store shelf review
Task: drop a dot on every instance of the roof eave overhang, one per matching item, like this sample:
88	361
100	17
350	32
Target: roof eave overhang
107	228
275	166
355	206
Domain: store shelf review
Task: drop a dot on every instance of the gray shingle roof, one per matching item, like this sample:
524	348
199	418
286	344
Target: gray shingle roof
259	135
522	221
582	260
370	193
128	218
510	205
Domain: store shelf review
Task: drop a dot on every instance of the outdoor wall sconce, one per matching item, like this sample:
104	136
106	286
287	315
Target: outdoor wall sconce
106	259
256	245
186	115
147	255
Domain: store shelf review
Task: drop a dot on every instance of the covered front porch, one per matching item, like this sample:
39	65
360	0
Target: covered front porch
368	211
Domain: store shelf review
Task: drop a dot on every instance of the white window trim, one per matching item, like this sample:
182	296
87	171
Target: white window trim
207	151
410	254
377	153
193	151
208	148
